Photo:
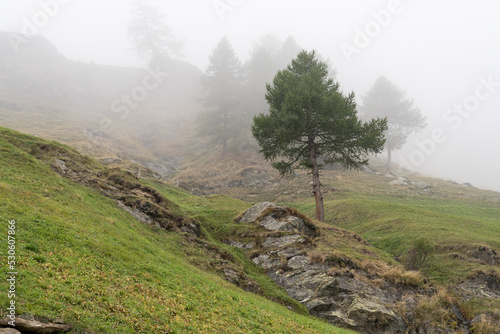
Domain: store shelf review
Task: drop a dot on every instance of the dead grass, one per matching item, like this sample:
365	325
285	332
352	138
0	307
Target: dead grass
435	309
485	325
392	273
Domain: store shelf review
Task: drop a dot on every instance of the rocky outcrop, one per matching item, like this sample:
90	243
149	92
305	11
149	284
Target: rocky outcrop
277	218
481	285
331	286
25	326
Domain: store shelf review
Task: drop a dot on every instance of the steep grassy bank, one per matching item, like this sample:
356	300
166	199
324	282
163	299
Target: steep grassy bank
84	261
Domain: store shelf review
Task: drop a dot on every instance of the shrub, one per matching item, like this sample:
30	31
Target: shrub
418	256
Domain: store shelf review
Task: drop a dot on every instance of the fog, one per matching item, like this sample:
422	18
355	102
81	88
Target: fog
444	54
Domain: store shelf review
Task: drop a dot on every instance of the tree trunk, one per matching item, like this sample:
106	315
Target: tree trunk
389	159
318	196
224	139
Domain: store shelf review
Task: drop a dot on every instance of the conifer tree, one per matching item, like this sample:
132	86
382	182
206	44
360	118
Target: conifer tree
311	123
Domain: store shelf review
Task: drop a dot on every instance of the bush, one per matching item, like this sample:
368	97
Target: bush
418	256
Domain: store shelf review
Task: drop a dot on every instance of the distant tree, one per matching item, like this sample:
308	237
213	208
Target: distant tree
222	82
267	57
269	42
311	124
289	50
385	99
150	36
258	70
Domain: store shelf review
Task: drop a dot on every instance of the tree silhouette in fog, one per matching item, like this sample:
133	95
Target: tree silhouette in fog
150	36
223	119
385	99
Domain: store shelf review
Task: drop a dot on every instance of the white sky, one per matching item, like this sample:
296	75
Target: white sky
435	50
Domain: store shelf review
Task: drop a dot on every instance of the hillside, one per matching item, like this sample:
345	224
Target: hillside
154	223
391	210
92	107
83	261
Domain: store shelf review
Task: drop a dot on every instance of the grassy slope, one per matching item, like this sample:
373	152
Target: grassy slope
84	261
457	220
392	223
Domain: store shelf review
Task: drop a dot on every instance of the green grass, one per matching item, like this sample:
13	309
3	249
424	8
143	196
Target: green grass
217	213
82	260
392	223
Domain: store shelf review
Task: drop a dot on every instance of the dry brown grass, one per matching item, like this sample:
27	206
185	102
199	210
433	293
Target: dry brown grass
436	309
393	274
485	325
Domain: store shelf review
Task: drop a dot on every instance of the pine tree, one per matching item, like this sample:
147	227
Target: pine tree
311	124
150	36
385	99
223	119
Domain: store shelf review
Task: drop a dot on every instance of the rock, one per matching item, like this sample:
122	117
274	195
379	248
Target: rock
339	318
481	286
422	185
9	331
298	262
467	184
378	173
61	164
266	262
332	287
398	183
36	327
190	228
389	176
240	245
280	242
290	224
252	214
485	255
374	317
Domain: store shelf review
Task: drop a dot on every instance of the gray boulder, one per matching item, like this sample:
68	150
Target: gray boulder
252	214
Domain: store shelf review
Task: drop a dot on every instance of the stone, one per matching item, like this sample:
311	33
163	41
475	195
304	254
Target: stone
61	164
338	290
290	224
373	317
485	255
255	211
36	327
338	318
389	176
298	262
266	262
289	252
398	183
279	242
422	185
9	331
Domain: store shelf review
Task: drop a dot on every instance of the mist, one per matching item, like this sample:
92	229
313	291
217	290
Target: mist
443	54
